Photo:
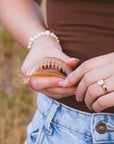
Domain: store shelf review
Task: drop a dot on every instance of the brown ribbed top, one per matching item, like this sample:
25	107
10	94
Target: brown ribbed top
85	29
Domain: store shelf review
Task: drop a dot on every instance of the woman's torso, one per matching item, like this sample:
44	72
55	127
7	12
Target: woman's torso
85	29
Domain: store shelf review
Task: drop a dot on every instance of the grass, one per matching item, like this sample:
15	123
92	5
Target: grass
17	102
6	38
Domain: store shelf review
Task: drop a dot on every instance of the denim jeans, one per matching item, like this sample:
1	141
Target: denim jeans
56	123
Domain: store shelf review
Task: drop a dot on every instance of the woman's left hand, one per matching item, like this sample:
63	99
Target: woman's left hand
86	77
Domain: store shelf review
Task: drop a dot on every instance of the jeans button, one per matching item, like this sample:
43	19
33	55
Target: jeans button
101	127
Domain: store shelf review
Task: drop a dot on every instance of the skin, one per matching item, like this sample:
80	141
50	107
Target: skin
23	19
22	25
86	77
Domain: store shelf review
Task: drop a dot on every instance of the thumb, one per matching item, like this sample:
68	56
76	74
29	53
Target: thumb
72	62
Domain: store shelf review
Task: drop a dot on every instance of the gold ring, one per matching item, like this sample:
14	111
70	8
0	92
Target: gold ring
102	84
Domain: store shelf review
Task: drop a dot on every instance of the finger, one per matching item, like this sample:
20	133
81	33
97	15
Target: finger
58	92
44	82
104	102
94	91
62	91
92	77
72	62
46	92
87	66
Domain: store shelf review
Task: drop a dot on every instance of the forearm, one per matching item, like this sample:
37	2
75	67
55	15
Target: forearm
22	19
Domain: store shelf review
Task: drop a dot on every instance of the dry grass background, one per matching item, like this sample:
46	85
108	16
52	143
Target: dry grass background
17	102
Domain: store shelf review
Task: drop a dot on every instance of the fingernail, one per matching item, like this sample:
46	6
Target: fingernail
77	99
89	108
70	59
63	83
60	83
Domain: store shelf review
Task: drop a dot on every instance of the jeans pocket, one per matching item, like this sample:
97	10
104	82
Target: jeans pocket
34	135
35	129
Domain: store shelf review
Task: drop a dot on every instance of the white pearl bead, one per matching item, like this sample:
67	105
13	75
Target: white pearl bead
31	39
29	46
47	32
30	43
42	33
56	38
52	34
35	37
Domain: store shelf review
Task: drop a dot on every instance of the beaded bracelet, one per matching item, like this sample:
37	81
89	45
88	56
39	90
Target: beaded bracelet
45	33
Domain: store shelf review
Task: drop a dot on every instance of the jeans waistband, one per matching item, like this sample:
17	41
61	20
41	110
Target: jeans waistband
100	126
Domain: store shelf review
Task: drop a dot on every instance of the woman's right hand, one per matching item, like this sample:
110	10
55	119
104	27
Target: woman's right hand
47	47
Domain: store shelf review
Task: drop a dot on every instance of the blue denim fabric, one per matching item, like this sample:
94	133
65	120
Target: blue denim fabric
56	123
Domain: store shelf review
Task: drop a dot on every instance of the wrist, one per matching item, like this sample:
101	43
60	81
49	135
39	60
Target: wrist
43	47
45	33
47	43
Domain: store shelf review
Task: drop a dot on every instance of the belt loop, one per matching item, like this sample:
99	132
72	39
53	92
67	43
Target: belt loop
92	124
50	117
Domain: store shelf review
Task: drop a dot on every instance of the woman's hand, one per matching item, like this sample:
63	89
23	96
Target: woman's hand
86	77
47	47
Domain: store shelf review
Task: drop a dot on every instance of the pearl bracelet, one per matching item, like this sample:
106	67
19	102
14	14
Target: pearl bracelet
45	33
